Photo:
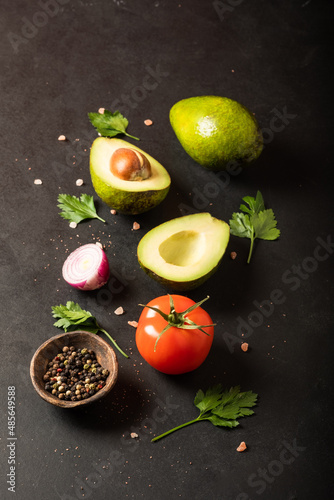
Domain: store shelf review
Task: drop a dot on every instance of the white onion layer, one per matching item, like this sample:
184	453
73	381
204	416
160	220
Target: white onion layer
87	268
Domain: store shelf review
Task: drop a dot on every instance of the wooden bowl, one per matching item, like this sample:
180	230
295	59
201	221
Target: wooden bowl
105	355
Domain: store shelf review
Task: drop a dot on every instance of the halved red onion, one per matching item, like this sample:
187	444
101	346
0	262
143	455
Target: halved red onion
87	268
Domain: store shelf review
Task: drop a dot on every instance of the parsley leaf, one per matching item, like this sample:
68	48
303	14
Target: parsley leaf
71	316
265	225
240	225
75	209
256	205
221	407
256	222
110	124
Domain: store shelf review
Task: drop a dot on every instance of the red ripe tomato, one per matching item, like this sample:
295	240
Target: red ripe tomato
178	349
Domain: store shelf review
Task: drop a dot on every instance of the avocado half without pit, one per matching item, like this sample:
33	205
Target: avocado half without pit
125	177
184	252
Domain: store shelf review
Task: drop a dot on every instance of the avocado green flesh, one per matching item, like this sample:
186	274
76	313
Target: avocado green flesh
128	197
184	252
216	131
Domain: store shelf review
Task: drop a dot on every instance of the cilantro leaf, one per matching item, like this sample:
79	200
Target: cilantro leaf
265	225
247	399
240	225
256	205
245	412
220	422
199	398
221	408
75	209
209	399
255	222
229	412
71	316
71	313
110	124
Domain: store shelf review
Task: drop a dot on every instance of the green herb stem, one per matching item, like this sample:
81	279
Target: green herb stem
254	222
132	136
114	342
251	248
220	407
198	419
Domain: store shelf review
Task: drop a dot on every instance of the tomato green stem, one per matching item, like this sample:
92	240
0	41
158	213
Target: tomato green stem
198	419
179	319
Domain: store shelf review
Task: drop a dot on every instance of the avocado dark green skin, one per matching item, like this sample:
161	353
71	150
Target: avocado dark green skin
126	202
216	132
180	286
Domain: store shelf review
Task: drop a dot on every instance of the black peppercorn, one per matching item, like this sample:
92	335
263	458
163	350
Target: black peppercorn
66	378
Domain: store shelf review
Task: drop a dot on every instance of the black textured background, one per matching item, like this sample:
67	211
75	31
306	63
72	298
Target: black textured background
272	56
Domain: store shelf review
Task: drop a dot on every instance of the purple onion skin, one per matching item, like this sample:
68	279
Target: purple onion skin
97	280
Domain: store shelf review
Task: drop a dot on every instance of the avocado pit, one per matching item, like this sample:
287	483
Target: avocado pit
130	165
126	196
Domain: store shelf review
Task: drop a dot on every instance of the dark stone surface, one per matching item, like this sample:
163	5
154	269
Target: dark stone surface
141	57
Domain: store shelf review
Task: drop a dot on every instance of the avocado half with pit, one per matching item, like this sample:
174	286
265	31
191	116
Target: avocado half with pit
137	184
184	252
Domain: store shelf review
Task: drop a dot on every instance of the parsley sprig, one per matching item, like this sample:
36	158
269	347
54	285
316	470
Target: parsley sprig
110	124
220	407
71	317
256	222
75	209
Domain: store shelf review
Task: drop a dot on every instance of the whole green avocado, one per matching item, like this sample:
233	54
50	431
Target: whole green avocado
216	131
